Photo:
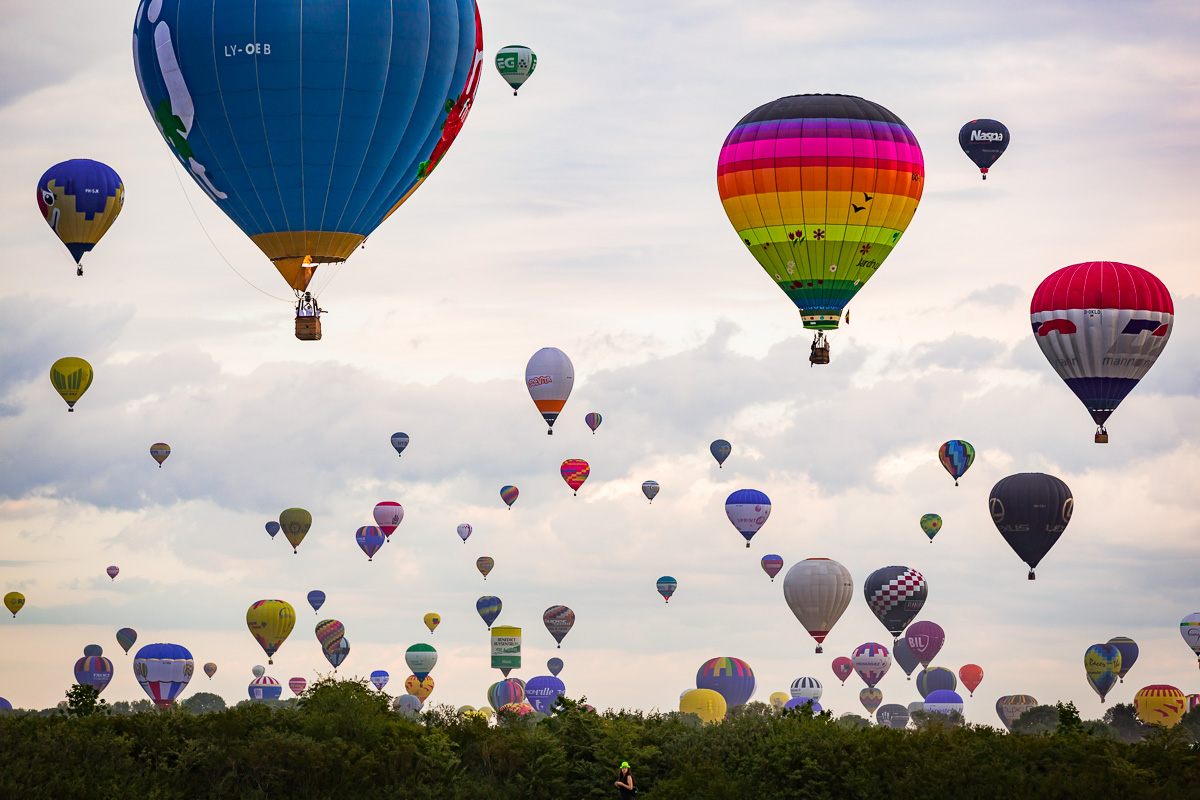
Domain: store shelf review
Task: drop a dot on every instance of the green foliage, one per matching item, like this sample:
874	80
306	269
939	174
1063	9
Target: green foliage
204	703
1039	719
83	701
341	740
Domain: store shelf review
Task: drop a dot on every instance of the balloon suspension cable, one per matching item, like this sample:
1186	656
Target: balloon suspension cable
213	243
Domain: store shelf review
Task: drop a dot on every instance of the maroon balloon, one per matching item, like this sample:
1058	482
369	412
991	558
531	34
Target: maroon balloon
925	639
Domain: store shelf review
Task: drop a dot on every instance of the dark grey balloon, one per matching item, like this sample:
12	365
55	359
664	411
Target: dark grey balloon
1031	510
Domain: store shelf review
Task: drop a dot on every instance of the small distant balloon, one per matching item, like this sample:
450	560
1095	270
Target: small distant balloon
931	524
379	679
316	599
870	699
295	523
272	528
984	141
113	572
516	63
370	539
258	670
871	661
159	452
1102	665
1129	654
388	516
329	632
14	602
575	471
558	620
905	657
666	586
432	621
297	685
210	669
489	608
509	495
555	665
337	654
771	564
956	457
71	377
748	510
270	622
593	421
650	489
720	450
126	637
484	564
464	531
971	676
399	441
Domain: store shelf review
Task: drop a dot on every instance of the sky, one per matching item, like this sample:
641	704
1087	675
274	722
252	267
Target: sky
584	215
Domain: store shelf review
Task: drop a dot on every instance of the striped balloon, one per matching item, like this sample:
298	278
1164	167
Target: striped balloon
159	452
489	608
870	699
956	457
1159	704
163	670
771	565
732	678
593	421
370	539
126	637
329	632
297	685
509	495
575	471
666	586
485	564
871	661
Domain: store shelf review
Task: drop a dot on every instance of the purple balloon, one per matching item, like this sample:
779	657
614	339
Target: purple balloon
925	639
905	657
543	692
796	702
943	701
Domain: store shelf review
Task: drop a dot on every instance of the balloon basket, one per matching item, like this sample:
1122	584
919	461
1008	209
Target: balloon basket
1032	577
819	355
1101	436
308	329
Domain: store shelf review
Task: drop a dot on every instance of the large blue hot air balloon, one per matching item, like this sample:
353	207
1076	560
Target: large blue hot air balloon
731	678
308	122
164	671
543	692
80	199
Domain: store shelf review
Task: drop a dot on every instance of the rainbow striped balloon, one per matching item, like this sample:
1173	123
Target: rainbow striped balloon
820	187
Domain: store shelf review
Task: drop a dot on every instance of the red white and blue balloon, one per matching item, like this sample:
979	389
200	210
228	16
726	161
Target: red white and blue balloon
871	661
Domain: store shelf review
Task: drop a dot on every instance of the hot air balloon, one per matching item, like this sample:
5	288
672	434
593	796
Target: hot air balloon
113	572
164	671
505	692
80	199
421	659
515	64
807	687
258	670
871	661
305	169
270	622
915	707
295	523
93	669
379	679
971	676
870	699
15	601
778	699
210	669
931	524
1159	705
337	654
650	489
771	564
159	452
748	510
843	668
731	677
549	376
509	495
297	685
932	679
895	595
1189	628
370	539
720	450
593	421
893	715
575	471
484	564
125	637
407	705
1102	663
905	657
489	608
555	665
71	377
399	441
316	599
666	586
559	621
464	532
820	188
543	691
706	704
418	688
432	621
1010	708
984	141
264	687
1101	325
388	516
943	701
956	457
800	702
1031	510
1129	654
329	633
817	590
272	528
925	640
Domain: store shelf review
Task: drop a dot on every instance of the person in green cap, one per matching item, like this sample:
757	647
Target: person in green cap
624	782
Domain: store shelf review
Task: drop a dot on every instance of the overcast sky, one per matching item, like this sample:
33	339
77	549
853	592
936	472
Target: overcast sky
584	215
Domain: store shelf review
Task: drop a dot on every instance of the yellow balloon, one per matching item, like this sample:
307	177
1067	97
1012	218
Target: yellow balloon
1160	705
432	621
295	523
14	602
418	688
71	378
270	622
706	704
779	699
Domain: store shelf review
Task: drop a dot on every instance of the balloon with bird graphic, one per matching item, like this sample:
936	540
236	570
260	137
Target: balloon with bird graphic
270	622
1102	325
956	457
575	471
984	141
159	452
71	377
515	63
305	168
820	188
80	199
549	376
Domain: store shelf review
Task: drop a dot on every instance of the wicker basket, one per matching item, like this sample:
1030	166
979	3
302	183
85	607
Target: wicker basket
820	355
308	329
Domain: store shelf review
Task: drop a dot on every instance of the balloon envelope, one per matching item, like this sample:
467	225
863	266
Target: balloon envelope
159	452
259	671
484	564
418	687
943	701
163	670
369	539
126	638
895	595
316	599
748	510
379	679
925	640
93	670
432	621
504	692
1129	653
549	376
336	654
388	516
210	669
489	608
807	687
297	685
843	668
731	677
934	678
80	199
1102	665
800	702
956	457
575	471
555	665
870	699
1031	510
329	633
871	661
270	622
515	63
931	524
543	691
558	620
650	489
771	564
666	586
1189	629
464	532
1159	704
408	705
421	659
971	676
264	687
509	495
706	704
295	523
893	715
593	421
1010	707
113	572
984	141
14	602
818	590
71	377
720	450
272	528
905	657
399	442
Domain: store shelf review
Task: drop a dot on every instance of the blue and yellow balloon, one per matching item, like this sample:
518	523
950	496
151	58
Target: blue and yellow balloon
80	200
